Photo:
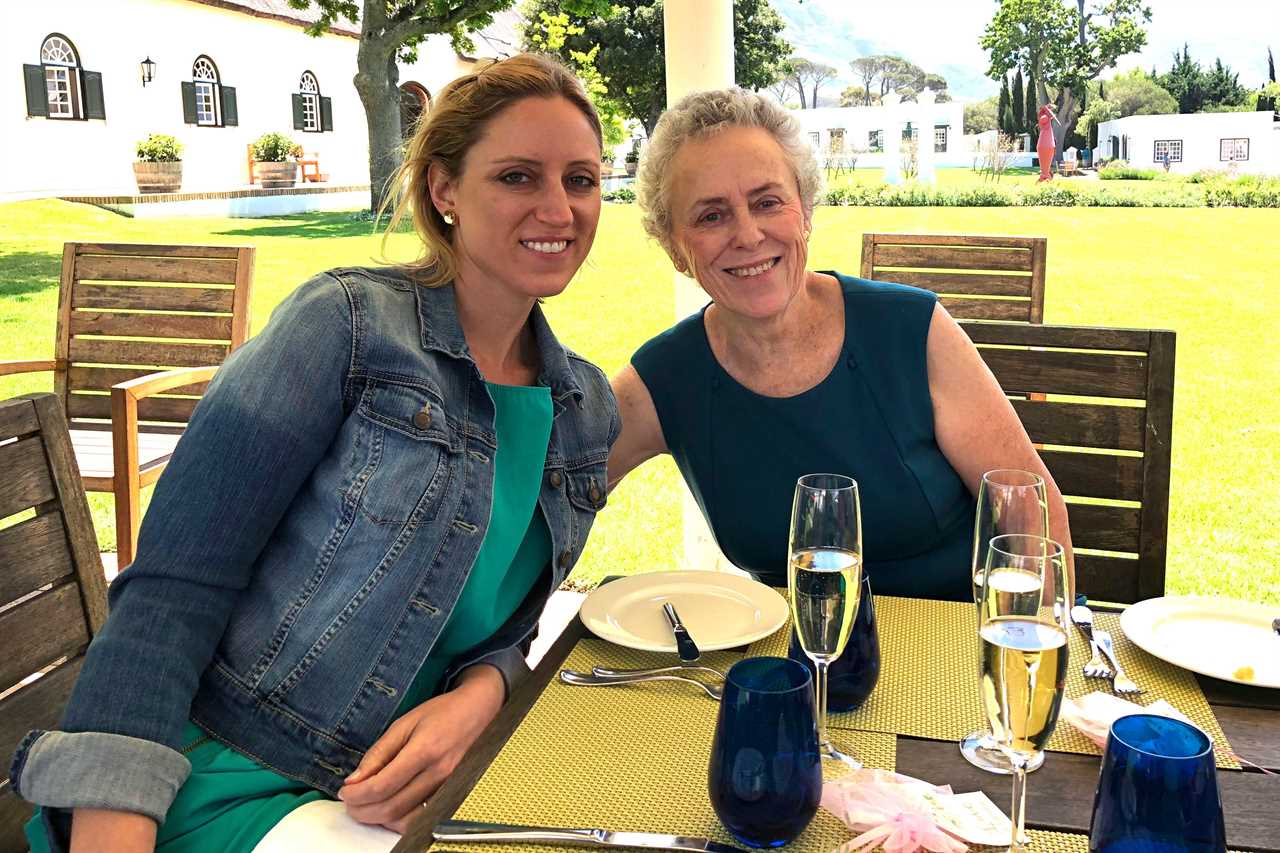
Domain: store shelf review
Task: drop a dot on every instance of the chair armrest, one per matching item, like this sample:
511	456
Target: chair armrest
8	368
158	383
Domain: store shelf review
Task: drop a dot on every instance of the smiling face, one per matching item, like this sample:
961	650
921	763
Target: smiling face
527	202
737	222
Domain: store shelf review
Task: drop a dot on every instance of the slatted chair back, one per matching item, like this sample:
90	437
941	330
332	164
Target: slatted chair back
1099	402
977	278
129	310
53	596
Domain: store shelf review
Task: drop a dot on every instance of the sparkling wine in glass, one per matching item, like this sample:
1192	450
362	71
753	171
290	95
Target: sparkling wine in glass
1009	501
825	578
1023	627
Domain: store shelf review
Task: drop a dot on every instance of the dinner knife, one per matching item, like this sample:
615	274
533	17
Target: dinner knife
685	645
467	831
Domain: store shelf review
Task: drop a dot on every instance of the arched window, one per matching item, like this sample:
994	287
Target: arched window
309	89
204	74
312	112
61	77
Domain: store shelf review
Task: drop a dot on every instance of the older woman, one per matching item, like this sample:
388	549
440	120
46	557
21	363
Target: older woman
791	371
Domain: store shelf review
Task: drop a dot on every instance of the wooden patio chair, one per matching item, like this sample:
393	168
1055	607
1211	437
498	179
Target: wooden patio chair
128	314
977	278
53	596
1107	443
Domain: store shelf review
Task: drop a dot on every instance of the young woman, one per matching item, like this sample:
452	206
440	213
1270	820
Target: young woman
360	527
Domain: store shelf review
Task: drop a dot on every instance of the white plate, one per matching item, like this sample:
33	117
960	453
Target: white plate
721	611
1217	637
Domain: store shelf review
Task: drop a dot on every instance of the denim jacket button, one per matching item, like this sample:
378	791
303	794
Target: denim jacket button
566	558
556	479
422	419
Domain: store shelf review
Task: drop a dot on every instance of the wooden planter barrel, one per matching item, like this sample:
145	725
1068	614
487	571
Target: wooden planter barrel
158	177
274	176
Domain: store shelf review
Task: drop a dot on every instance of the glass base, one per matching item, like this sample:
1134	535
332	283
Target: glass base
981	750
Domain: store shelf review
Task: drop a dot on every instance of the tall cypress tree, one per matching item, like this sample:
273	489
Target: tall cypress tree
1032	109
1269	104
1016	99
1003	115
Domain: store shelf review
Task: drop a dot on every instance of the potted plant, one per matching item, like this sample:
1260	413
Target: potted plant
632	160
275	156
158	168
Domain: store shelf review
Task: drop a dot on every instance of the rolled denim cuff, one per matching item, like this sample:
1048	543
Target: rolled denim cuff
98	770
509	662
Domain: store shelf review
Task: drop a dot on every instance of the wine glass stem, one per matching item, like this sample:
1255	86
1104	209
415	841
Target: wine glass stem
820	689
1018	811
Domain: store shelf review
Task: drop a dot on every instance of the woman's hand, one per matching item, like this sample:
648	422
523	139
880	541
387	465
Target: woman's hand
118	832
420	750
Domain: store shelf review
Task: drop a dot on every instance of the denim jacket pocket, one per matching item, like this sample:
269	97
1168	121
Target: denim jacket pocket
403	453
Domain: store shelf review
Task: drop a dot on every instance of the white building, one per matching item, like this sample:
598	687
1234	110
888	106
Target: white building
73	103
862	129
1244	142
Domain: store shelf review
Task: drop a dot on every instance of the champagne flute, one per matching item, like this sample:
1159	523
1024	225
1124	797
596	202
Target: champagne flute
1009	501
1023	626
825	578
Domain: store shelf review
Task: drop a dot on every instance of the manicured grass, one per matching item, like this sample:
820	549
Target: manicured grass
1205	273
954	178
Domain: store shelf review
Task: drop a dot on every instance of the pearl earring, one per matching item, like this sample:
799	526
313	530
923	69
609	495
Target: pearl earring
448	217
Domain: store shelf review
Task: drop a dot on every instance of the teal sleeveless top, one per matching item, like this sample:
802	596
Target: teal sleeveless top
230	802
871	418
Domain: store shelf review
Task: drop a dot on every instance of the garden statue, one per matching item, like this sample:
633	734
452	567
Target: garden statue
1045	145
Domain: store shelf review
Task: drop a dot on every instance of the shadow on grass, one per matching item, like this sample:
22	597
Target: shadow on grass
23	273
314	225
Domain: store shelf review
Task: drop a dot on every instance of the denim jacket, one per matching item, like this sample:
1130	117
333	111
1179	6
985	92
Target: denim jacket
307	544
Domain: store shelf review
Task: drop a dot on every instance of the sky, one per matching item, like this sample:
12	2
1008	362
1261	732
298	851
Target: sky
1239	31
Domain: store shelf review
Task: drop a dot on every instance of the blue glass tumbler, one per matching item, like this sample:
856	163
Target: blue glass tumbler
765	777
852	676
1158	790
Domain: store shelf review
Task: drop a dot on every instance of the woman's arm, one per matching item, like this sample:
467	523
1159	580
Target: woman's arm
976	425
641	437
99	831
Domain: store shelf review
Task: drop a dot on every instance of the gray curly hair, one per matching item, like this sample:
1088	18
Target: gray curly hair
703	114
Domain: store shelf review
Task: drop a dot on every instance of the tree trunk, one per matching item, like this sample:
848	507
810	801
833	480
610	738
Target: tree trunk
376	82
1068	111
800	88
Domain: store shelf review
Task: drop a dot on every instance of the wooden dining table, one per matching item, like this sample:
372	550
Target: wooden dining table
1060	800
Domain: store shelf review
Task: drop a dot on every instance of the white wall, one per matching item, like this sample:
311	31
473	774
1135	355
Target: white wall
858	122
1201	134
262	58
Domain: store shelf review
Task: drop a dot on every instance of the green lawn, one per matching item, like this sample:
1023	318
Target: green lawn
1205	273
954	178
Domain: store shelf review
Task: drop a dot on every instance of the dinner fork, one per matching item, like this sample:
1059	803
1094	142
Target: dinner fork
1096	667
582	679
1121	682
685	667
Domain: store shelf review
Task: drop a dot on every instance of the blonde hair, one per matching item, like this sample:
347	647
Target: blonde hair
703	114
457	120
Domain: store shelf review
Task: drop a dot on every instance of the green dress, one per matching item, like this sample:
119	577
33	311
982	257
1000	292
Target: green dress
230	801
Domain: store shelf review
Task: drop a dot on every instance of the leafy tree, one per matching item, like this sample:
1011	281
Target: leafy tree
1185	81
980	116
391	30
1136	94
855	96
1016	101
548	34
869	69
1095	114
632	58
806	72
1031	107
1222	88
1063	45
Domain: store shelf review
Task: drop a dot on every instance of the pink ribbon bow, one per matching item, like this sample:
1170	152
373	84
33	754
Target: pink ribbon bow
888	811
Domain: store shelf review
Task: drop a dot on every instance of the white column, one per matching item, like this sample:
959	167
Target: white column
892	140
699	54
924	150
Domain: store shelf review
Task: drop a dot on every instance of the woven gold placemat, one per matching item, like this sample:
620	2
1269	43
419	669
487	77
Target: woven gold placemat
929	659
627	758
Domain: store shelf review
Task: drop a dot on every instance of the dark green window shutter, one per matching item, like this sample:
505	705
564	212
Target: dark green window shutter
230	113
326	113
93	104
188	102
37	91
299	119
